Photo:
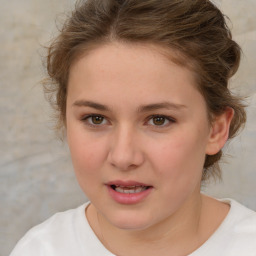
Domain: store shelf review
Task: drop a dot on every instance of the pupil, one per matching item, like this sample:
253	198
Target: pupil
158	120
97	119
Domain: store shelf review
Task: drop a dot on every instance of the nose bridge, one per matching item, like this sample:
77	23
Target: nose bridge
125	152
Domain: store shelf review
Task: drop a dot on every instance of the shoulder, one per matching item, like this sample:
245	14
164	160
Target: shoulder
242	221
54	232
243	218
238	231
235	236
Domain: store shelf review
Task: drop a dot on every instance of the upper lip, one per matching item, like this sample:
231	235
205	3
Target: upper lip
127	183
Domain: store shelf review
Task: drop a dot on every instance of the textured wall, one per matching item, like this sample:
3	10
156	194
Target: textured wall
35	169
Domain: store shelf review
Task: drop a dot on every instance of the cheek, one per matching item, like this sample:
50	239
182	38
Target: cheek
86	152
179	157
179	165
87	158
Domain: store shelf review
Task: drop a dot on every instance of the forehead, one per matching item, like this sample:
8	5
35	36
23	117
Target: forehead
139	71
112	57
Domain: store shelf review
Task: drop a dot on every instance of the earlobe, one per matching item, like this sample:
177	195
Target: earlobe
219	132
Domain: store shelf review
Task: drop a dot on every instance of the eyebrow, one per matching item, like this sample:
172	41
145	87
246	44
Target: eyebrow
91	104
141	109
162	105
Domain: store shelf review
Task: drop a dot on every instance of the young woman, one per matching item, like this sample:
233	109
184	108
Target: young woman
142	96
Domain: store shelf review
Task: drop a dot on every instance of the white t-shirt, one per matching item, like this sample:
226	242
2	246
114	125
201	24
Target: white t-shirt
69	234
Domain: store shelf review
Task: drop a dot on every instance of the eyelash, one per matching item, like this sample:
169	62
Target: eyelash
86	119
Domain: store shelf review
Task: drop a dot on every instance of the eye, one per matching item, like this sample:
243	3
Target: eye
94	120
159	120
97	119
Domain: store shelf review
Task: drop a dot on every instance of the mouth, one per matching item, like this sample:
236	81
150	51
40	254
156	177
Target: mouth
132	189
128	192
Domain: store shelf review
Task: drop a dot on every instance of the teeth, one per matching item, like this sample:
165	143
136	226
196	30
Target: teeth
130	189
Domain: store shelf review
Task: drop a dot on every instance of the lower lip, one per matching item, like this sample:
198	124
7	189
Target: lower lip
133	198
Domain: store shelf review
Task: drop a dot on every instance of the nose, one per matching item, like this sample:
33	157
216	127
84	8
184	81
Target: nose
125	152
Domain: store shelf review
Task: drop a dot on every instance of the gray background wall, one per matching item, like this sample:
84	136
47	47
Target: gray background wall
35	170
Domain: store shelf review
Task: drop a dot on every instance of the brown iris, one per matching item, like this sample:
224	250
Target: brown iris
159	120
97	119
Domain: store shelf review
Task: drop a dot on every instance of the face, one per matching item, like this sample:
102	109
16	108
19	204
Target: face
138	133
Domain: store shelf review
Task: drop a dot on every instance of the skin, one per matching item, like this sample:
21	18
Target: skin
128	144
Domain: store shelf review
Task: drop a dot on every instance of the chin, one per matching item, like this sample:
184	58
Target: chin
133	221
131	225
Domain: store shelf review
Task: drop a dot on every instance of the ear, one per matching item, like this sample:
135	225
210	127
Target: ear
219	132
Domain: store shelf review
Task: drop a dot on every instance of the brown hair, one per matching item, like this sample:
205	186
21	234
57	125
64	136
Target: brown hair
196	29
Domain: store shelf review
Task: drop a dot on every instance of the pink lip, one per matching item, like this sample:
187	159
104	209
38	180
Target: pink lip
127	183
128	199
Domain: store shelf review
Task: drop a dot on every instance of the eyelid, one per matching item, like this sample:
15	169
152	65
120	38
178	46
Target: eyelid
91	115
